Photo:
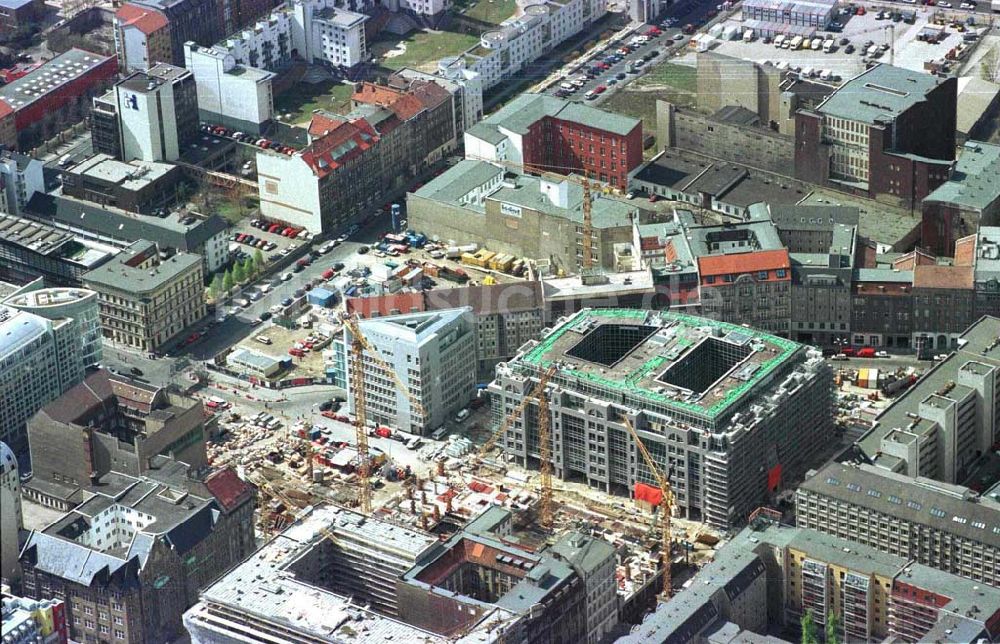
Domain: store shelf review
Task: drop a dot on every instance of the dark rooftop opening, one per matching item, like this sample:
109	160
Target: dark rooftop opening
704	364
609	343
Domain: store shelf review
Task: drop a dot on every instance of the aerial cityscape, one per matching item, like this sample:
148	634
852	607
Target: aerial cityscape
499	321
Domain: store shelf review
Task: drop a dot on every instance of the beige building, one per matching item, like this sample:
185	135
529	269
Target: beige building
146	299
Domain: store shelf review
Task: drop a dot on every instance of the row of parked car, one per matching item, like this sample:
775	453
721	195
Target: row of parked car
255	242
249	139
284	230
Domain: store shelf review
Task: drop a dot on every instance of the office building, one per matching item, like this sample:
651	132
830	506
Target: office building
969	199
479	202
53	90
230	94
939	427
142	37
29	621
134	186
157	113
886	132
936	524
133	556
59	303
433	354
11	517
539	133
146	299
330	576
105	132
20	178
30	250
514	44
109	423
765	579
39	360
731	414
113	228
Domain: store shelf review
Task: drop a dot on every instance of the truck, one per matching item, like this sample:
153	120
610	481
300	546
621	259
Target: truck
748	35
453	274
829	45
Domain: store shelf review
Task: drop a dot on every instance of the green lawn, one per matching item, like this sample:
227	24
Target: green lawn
642	105
227	208
423	49
681	77
491	11
301	100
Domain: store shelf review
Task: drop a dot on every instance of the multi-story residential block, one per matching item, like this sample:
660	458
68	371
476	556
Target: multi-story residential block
433	354
888	131
230	94
20	178
940	426
39	360
763	581
355	159
539	133
943	526
477	201
506	315
146	300
27	621
134	555
431	9
519	40
107	227
157	113
11	515
59	88
133	186
334	574
731	414
55	304
465	87
109	423
30	249
968	200
142	37
986	275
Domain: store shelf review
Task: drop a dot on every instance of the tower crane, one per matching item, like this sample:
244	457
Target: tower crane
360	344
666	503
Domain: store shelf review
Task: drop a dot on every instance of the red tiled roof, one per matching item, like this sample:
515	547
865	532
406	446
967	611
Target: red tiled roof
228	488
147	20
321	125
943	277
407	107
373	94
345	141
739	263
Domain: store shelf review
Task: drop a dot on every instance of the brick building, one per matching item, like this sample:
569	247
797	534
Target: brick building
142	37
200	21
543	133
886	132
969	199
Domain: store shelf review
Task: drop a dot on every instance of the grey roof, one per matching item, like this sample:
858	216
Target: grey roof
671	170
117	224
486	133
50	77
68	560
518	115
812	217
762	234
880	93
975	182
883	275
458	181
583	551
18	328
606	212
118	275
908	499
975	99
737	115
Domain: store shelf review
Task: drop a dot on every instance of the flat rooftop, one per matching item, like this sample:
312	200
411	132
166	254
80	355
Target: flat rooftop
686	363
53	242
975	182
131	175
51	76
879	94
120	275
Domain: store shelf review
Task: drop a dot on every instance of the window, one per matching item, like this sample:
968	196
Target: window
762	275
937	512
913	505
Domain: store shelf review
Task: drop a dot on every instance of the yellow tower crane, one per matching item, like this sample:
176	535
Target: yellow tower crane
359	345
666	507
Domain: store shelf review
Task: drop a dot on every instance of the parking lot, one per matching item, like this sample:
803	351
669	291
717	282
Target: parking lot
308	365
849	59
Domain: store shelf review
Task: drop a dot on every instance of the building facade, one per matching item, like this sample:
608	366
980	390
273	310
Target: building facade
20	178
133	187
145	300
725	447
30	249
11	516
142	37
158	113
964	203
29	621
199	21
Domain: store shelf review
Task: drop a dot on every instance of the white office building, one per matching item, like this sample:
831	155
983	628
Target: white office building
433	354
20	178
39	360
157	113
77	304
229	93
537	29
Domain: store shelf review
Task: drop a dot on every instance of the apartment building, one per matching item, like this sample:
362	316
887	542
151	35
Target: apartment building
769	575
39	360
593	559
519	40
142	37
731	414
887	131
433	354
146	299
943	526
199	21
539	133
109	423
20	178
305	584
132	558
939	427
465	87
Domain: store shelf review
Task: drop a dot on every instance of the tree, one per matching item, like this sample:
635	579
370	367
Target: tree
216	287
249	270
258	262
227	281
990	65
239	275
832	626
809	633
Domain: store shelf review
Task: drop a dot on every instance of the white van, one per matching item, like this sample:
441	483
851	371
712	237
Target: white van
779	40
796	43
439	433
263	339
461	415
825	74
